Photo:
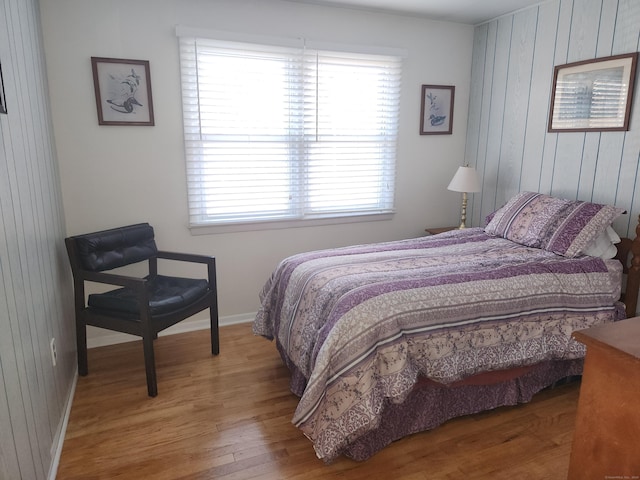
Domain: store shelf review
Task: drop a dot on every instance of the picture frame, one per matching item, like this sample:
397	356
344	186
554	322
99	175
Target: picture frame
123	91
436	110
3	99
593	95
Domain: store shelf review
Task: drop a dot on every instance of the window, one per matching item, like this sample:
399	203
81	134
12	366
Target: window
278	133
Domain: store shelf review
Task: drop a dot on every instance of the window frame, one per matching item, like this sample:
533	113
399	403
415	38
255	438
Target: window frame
349	216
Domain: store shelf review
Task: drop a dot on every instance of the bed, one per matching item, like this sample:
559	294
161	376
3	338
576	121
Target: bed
390	339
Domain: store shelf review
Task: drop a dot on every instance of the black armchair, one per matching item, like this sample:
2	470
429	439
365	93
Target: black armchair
142	306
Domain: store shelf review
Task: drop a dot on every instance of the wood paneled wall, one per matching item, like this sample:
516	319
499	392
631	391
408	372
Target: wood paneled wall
507	139
35	296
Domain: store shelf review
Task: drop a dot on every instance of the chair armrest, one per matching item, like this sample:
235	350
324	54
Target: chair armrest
185	257
134	283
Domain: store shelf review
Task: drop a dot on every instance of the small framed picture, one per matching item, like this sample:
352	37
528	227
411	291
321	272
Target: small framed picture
436	111
593	95
123	91
3	100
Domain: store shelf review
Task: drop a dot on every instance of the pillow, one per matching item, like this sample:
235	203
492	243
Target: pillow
489	217
603	246
564	227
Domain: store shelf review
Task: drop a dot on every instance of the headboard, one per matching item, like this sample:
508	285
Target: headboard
629	256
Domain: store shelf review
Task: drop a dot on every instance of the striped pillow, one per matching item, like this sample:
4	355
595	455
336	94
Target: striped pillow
565	227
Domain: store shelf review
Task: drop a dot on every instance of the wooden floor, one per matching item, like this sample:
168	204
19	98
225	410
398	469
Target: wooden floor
229	417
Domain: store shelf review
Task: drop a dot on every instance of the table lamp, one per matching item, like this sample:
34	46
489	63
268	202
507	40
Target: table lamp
466	181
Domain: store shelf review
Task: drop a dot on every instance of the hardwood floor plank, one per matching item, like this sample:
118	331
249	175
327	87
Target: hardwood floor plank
229	417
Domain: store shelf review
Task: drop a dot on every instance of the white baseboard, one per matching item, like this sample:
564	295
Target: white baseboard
58	439
182	327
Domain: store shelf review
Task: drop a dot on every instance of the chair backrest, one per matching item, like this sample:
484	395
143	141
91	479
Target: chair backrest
112	248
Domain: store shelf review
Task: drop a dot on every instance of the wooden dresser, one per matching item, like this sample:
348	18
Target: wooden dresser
606	441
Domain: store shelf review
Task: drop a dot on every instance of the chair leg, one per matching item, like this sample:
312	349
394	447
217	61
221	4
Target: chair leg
81	344
215	337
150	365
213	307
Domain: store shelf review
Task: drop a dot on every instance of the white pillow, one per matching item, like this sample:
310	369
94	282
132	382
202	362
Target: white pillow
603	246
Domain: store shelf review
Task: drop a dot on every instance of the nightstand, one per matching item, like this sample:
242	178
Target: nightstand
435	231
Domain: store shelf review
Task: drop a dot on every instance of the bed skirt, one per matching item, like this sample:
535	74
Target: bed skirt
431	404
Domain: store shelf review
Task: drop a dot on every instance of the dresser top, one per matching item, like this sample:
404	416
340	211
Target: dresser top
623	335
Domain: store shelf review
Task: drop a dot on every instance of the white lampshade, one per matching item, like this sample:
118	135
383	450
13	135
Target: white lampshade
465	180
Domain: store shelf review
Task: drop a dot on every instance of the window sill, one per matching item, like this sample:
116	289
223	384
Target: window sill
284	224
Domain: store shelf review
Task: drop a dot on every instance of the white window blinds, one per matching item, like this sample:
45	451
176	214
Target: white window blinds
287	133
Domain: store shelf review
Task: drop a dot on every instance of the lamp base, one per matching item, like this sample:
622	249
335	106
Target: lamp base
463	215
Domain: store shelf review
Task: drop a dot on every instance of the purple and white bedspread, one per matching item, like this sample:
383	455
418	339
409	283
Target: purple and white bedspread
358	325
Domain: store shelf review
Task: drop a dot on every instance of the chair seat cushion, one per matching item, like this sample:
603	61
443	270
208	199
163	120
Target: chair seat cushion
167	294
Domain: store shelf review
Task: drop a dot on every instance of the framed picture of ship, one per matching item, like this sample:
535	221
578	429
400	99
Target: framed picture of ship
436	111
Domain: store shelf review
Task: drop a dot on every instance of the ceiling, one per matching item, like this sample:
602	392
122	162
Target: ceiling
471	12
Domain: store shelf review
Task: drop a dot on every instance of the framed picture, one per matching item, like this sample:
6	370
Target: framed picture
436	111
3	99
123	91
593	95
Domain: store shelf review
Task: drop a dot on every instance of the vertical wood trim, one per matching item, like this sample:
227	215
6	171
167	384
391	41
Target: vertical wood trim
540	94
627	39
503	29
35	292
516	103
563	34
485	117
514	150
475	113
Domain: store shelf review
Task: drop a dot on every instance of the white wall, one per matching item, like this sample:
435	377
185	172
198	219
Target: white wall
513	61
118	175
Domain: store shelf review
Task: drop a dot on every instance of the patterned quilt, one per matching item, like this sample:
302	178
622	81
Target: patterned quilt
359	325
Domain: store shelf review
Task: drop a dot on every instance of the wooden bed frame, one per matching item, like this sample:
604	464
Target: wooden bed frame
629	256
432	404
